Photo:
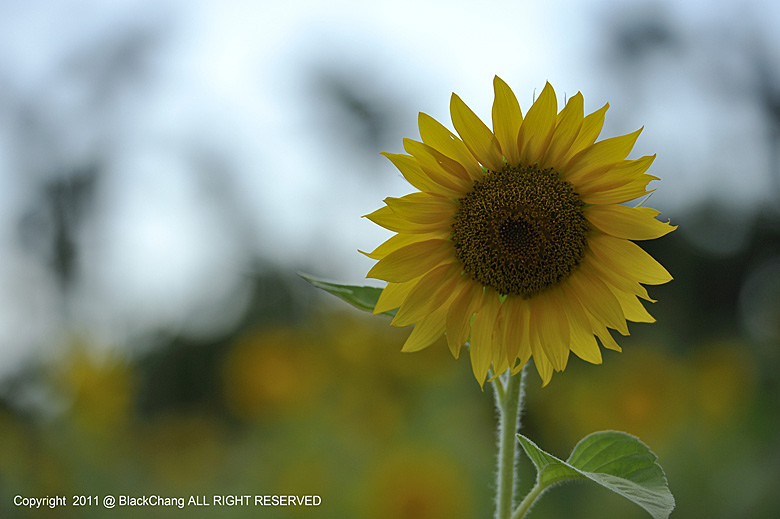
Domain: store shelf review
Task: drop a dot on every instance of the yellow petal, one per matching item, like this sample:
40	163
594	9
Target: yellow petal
519	366
423	208
393	295
649	211
566	130
387	218
628	259
589	132
435	165
611	277
582	342
543	366
507	118
538	126
476	136
632	308
524	352
412	261
517	342
499	360
426	331
468	299
515	325
429	294
626	222
438	165
414	174
603	334
596	298
482	329
397	241
500	364
620	174
553	330
437	136
619	195
599	156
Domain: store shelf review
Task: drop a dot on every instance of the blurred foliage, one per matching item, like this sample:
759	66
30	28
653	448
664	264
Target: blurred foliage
308	396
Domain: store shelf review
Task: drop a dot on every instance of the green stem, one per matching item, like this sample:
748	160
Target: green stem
509	400
498	386
525	506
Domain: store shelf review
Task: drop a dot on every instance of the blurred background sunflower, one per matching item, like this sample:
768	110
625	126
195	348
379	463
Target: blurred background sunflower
166	167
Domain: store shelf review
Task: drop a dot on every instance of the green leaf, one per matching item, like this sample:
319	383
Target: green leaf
361	297
615	460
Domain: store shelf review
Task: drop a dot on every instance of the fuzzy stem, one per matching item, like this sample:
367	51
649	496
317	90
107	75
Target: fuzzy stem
509	400
529	500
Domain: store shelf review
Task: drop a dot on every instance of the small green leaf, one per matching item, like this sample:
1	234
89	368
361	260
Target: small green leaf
361	297
615	460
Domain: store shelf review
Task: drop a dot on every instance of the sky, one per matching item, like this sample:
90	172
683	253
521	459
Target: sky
221	134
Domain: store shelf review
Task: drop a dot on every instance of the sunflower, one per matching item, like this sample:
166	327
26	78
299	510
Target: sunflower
517	241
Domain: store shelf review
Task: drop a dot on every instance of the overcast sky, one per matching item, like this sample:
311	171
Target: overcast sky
221	127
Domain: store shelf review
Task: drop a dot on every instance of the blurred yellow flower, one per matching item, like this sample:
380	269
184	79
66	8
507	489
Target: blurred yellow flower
17	449
648	394
516	240
348	334
723	381
416	484
266	372
101	389
183	449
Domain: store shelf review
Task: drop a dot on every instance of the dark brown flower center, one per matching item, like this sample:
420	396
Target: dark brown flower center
520	230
